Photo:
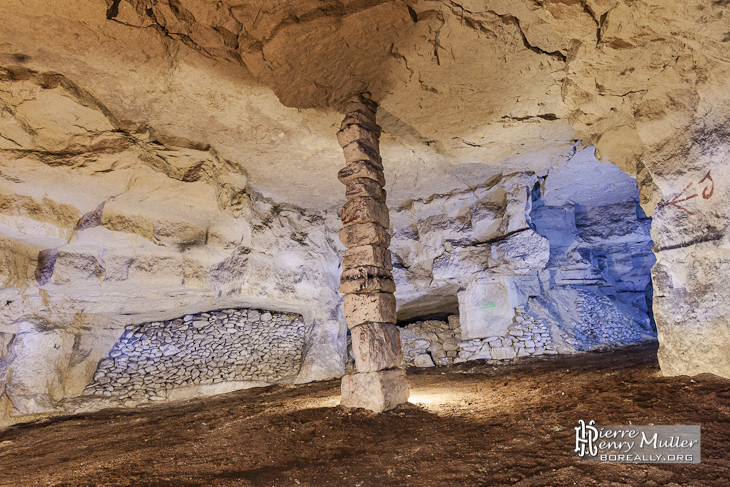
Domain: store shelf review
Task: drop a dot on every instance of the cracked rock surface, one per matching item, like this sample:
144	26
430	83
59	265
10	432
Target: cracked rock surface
105	223
160	157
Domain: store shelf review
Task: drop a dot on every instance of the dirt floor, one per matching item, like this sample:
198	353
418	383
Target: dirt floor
470	424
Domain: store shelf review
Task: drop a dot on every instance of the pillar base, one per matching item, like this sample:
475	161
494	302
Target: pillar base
376	391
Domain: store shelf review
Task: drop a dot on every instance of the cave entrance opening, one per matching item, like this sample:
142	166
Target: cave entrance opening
526	264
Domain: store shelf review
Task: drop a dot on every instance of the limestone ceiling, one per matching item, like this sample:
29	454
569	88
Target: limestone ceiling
467	89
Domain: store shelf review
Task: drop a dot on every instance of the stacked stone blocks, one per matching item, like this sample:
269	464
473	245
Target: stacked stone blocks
366	278
240	344
525	337
431	342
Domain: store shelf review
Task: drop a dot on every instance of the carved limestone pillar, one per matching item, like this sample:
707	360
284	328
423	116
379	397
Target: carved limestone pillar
366	278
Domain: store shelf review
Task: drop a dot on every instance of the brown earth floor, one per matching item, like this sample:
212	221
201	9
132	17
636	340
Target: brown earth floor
471	424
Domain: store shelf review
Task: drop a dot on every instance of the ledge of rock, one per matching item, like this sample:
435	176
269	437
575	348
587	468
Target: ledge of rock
168	158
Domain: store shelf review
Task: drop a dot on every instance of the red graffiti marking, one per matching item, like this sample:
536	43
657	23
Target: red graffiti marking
706	193
675	201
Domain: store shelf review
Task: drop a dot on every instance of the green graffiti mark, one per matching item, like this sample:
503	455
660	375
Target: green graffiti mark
488	306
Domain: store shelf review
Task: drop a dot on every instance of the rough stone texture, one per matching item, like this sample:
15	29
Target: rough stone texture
369	301
361	105
426	343
359	187
564	320
691	242
486	308
366	255
360	234
423	360
373	306
358	151
598	236
361	169
377	391
376	346
248	62
365	210
174	359
4	369
445	242
524	337
527	250
580	319
547	234
358	132
35	365
113	110
366	279
325	351
596	68
104	222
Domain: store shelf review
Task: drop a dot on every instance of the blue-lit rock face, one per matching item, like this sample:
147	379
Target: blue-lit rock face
575	230
580	320
218	351
599	235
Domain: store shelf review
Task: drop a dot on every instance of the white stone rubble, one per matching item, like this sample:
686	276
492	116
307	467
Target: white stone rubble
525	337
590	322
431	342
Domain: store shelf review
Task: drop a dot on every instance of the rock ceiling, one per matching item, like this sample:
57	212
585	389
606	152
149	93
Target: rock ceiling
166	157
467	90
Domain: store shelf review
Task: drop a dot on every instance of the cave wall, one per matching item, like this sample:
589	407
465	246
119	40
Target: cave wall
561	320
447	241
690	232
578	224
105	223
151	150
600	238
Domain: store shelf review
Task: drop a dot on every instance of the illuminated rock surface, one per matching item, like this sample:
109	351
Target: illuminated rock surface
166	158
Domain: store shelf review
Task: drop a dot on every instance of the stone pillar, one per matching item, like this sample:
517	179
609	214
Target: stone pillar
366	278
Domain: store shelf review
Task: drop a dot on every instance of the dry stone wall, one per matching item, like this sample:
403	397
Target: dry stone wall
431	342
563	320
525	337
583	320
151	359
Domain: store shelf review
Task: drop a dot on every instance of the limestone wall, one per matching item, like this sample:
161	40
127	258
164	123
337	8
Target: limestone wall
484	253
431	342
525	337
445	242
151	361
143	177
564	320
509	88
106	222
